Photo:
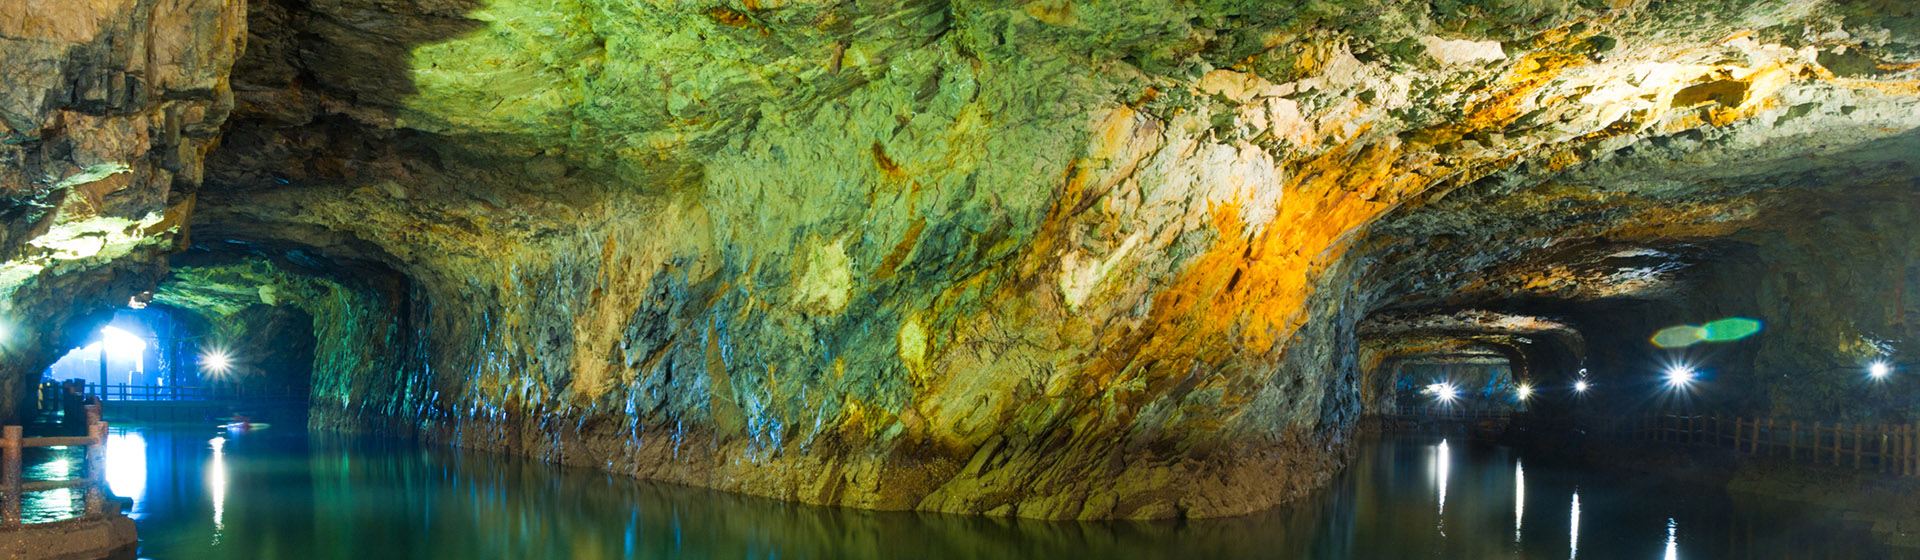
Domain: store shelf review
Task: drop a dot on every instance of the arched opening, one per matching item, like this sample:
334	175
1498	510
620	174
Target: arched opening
168	361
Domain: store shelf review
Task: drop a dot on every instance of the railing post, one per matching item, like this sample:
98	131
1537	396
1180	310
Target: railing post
10	475
1880	454
1856	445
1836	442
1913	449
96	461
1793	439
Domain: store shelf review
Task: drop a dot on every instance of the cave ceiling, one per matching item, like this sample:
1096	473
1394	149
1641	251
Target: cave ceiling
1046	258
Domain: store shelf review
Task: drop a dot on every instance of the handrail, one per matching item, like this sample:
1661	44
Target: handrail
125	392
12	489
1890	448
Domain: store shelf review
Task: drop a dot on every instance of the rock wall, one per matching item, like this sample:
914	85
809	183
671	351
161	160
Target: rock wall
980	258
108	110
1048	259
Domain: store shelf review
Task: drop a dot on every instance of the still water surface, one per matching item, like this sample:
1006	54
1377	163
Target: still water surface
287	495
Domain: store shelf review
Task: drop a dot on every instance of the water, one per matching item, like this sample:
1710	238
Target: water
288	495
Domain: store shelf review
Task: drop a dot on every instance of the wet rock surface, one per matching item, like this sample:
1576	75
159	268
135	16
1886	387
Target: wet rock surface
1049	259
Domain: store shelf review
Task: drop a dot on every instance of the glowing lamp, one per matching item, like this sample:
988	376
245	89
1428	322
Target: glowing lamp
215	361
1679	376
122	344
1879	370
1524	391
1444	393
1581	386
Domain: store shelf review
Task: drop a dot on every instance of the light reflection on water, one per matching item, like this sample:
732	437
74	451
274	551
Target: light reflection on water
1519	499
217	485
52	463
1673	540
290	496
1573	521
127	463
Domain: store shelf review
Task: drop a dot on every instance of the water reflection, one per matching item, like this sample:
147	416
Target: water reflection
127	463
47	464
1673	539
289	496
1519	499
1442	461
1573	521
217	485
51	505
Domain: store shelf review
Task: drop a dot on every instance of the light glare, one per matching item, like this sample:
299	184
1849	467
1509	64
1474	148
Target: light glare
1879	370
216	361
1679	376
1524	391
122	344
1445	393
1581	386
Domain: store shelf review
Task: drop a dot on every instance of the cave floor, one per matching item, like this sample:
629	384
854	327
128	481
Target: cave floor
208	494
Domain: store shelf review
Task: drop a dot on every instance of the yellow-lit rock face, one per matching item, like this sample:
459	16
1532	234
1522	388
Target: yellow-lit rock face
107	110
1051	259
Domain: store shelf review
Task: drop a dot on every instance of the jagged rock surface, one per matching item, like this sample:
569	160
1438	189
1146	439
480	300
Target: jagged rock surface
108	110
1051	259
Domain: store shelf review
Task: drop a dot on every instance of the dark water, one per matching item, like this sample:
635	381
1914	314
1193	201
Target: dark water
287	495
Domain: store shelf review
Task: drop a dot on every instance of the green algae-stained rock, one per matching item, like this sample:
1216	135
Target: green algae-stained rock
1044	259
1056	259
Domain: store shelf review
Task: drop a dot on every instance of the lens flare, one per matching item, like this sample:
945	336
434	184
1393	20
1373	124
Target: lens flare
1581	386
1679	337
1729	329
216	361
1680	376
1444	393
1524	391
1879	370
1723	330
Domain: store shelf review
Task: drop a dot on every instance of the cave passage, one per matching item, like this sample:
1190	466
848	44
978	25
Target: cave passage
158	363
1331	279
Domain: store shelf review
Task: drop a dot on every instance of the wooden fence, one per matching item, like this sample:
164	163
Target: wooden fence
1448	414
1887	448
187	393
13	489
1442	420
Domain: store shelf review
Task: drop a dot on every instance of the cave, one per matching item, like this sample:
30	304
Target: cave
959	279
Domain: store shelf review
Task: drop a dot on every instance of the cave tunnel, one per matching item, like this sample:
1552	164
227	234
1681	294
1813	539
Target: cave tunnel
943	279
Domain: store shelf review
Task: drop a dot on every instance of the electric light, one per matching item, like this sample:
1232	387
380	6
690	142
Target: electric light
1679	376
1524	391
1445	393
1879	370
121	343
1581	386
215	361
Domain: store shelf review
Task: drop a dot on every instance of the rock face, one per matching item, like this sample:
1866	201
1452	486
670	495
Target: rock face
108	110
1051	259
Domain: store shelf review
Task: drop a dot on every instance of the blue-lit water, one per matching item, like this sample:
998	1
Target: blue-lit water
286	495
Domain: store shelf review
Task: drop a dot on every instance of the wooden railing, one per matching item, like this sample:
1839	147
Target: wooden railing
1449	414
13	489
186	393
1887	448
